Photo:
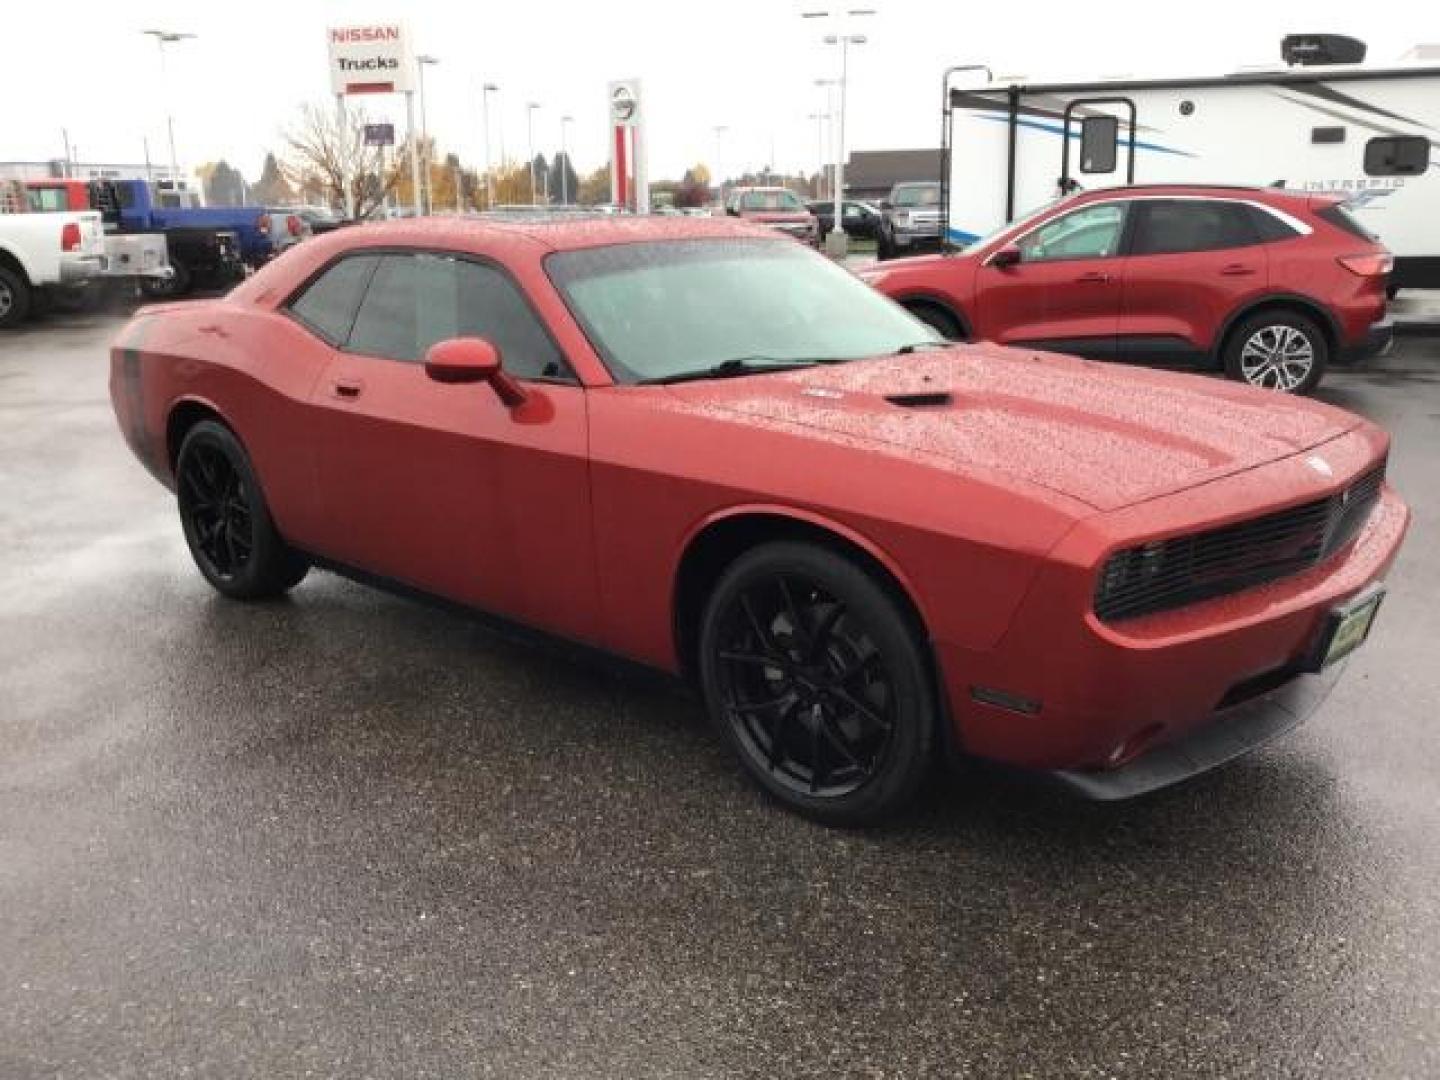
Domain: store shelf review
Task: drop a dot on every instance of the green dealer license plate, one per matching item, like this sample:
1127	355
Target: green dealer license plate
1348	626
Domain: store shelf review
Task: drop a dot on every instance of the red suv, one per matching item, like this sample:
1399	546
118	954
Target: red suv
1270	285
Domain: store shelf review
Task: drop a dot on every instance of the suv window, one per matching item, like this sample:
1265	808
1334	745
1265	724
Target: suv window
1168	226
328	304
1092	232
916	195
771	200
415	300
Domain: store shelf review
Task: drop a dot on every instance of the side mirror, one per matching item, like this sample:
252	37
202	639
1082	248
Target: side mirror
472	360
1009	255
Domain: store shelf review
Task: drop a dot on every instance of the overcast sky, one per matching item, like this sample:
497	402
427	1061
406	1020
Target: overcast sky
748	64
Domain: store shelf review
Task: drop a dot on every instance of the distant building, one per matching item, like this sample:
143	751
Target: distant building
870	174
58	167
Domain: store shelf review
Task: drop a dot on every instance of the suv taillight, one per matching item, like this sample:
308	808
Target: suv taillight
1374	264
292	225
263	223
70	236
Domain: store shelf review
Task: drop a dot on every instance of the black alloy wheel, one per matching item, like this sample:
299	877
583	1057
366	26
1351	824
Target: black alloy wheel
226	521
814	674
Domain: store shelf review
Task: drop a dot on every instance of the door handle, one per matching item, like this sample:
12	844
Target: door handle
1237	270
1094	277
347	388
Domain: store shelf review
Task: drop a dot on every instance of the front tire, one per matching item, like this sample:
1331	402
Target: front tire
818	679
1278	350
938	319
228	527
175	286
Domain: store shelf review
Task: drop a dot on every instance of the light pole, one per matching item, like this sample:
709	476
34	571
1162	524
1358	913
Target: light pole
720	130
828	85
819	118
485	92
837	242
163	38
530	107
423	61
565	121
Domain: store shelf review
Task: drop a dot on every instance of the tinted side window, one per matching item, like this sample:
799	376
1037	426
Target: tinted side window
1268	227
416	300
1166	227
1398	156
328	303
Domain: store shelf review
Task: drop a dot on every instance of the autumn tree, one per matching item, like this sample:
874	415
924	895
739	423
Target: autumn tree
321	145
272	189
595	187
564	183
221	183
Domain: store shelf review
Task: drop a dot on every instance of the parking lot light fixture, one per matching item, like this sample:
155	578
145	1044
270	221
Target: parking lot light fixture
530	107
836	241
163	38
423	61
565	122
485	91
720	130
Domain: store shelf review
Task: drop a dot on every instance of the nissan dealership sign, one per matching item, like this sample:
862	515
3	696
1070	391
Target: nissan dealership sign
370	59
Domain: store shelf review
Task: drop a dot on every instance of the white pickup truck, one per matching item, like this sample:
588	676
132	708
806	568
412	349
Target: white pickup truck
40	253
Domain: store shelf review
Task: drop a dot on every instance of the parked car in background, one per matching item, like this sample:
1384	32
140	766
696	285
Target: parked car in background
287	228
198	255
861	219
43	254
910	219
1270	286
703	447
320	219
776	207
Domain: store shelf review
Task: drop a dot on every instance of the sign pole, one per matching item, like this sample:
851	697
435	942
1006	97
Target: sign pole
414	149
342	128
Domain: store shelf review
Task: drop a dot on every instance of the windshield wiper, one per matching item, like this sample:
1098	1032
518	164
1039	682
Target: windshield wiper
728	369
916	346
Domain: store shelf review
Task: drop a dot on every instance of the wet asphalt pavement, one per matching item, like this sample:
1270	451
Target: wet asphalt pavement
346	835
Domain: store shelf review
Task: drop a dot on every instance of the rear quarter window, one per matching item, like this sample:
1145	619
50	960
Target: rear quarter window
1268	227
328	304
1341	218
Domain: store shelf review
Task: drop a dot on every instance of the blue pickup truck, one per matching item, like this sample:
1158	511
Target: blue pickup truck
143	208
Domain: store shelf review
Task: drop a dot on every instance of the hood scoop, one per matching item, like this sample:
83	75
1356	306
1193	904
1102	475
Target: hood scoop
928	399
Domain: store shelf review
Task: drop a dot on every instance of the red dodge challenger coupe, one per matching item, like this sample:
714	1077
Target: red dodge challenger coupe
701	446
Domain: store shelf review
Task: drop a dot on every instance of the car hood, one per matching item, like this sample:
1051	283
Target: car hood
1107	436
778	217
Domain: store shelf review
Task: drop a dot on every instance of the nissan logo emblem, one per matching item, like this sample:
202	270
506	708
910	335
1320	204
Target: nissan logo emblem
622	104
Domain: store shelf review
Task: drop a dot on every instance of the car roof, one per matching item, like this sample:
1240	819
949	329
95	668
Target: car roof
553	234
1223	190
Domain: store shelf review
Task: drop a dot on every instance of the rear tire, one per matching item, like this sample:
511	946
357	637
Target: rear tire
819	681
171	288
1278	350
16	297
227	524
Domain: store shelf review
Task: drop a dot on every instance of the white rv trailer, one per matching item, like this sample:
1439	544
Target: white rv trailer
1367	132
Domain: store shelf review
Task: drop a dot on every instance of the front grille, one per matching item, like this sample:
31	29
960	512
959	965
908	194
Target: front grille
1167	574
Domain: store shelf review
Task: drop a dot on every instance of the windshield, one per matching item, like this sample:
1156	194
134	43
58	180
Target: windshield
1020	224
916	195
656	310
770	200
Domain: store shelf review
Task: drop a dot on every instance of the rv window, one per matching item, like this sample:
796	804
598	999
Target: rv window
1327	135
1169	226
1397	156
1098	137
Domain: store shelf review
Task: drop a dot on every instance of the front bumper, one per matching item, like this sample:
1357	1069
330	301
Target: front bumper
1063	690
1378	339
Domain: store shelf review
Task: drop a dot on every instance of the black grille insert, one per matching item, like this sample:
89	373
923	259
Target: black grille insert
1167	574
